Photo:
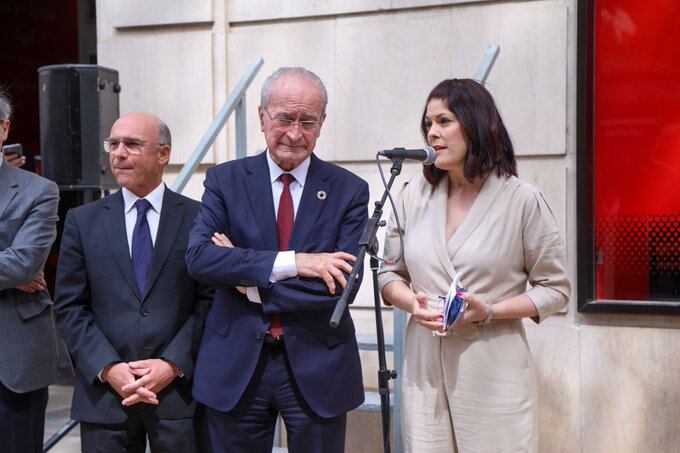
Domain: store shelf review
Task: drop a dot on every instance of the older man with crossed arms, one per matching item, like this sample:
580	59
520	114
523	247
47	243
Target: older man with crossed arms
294	222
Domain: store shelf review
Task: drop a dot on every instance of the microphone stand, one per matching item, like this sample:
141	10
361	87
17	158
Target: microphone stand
368	243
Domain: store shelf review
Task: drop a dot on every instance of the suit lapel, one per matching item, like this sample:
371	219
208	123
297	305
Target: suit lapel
310	204
172	214
10	186
114	225
259	190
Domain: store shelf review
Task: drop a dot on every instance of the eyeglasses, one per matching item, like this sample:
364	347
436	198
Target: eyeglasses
286	123
132	145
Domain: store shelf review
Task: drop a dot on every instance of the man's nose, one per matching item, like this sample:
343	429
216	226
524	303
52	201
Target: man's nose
294	132
120	150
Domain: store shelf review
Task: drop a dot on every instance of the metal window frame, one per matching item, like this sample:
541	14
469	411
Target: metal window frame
585	183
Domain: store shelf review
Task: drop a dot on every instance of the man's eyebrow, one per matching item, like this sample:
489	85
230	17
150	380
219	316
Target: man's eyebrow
126	137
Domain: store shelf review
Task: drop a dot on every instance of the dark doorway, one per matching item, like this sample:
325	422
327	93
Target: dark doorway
37	33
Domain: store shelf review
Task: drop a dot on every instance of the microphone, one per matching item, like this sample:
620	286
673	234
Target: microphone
425	155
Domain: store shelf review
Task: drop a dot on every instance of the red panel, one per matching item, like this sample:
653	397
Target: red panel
637	149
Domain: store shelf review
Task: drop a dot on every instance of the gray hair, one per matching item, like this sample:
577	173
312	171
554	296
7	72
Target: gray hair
285	71
164	137
5	106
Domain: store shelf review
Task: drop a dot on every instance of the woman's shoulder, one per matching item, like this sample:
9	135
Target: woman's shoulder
529	196
414	190
417	186
522	189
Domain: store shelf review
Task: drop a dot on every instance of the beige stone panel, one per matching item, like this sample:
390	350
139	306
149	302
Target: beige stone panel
364	319
194	189
369	368
629	389
135	13
556	357
168	72
528	80
308	44
385	67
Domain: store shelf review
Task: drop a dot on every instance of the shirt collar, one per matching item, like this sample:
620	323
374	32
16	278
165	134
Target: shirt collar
299	172
155	197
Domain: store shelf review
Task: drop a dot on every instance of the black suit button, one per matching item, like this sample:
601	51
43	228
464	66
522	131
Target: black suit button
260	336
144	312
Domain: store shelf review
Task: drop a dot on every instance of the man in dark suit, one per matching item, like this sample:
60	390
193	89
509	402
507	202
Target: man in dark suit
31	355
294	222
129	312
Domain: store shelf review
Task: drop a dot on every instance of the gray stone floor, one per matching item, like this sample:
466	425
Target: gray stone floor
57	415
363	428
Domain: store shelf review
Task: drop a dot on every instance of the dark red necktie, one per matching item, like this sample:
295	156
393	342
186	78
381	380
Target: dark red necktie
284	225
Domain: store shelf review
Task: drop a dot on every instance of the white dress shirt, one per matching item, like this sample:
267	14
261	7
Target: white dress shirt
284	264
153	215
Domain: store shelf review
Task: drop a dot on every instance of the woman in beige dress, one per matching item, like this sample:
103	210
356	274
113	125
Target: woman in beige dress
473	388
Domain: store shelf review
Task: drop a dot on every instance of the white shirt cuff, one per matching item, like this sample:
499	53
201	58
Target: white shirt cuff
99	375
253	294
284	266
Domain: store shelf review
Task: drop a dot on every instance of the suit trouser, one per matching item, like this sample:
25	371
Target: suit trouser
182	435
249	427
22	420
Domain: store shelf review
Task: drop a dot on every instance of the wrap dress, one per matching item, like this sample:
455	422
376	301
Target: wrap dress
475	389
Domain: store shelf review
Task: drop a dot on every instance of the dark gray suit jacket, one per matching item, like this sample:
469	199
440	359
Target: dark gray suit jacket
31	354
104	318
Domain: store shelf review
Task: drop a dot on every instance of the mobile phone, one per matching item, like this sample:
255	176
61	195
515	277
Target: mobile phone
14	149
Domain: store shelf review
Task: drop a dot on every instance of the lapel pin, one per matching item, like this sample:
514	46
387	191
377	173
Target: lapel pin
321	195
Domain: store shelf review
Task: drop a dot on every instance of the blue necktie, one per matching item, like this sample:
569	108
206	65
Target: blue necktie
142	247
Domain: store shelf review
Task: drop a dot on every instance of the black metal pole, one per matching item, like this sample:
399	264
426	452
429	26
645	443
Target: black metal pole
384	375
366	243
64	430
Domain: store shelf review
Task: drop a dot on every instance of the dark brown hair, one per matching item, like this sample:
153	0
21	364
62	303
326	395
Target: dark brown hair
488	141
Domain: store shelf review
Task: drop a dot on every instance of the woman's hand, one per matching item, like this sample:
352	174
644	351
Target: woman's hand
425	317
221	240
477	309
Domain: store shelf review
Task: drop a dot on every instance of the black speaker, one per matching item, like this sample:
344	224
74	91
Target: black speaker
78	106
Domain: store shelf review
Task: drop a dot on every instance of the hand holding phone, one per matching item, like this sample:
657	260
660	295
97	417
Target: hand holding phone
15	149
14	154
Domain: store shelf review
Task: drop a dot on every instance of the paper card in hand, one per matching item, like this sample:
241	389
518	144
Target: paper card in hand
454	305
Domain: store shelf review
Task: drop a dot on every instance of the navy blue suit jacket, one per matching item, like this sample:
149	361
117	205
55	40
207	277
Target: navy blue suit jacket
238	202
104	318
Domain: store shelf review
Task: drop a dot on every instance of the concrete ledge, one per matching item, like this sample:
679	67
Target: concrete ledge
267	10
134	14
